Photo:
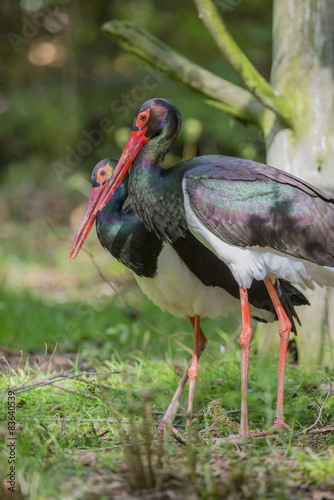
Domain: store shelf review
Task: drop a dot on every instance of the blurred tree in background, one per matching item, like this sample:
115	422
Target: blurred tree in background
67	92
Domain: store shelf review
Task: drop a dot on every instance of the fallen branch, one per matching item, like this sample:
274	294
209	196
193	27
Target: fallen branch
322	430
53	382
74	391
231	98
103	420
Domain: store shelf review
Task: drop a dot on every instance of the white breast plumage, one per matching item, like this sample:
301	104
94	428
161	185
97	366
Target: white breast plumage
177	290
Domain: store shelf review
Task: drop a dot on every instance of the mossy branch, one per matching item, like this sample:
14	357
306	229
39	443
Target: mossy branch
253	80
234	100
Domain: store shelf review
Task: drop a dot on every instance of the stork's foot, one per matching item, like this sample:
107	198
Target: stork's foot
232	438
278	424
161	431
243	435
237	438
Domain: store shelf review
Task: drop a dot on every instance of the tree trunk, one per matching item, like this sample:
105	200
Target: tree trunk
303	68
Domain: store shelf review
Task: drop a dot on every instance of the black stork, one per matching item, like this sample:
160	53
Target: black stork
183	277
262	222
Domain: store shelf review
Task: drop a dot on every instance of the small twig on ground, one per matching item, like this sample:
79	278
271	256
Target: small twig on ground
178	438
20	361
307	431
33	383
40	361
104	420
180	415
50	382
120	445
322	430
103	433
54	408
74	391
6	363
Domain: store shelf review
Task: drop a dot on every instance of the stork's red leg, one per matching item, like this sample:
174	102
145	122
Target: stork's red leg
284	332
245	341
168	416
193	370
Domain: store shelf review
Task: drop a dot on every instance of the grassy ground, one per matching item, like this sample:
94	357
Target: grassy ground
90	437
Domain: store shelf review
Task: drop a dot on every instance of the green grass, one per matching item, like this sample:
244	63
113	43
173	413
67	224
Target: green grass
61	435
51	461
53	454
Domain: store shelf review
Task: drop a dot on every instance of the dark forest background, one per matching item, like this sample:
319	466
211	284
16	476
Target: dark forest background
68	92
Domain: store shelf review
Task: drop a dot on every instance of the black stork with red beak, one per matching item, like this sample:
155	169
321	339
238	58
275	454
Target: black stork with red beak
183	277
262	222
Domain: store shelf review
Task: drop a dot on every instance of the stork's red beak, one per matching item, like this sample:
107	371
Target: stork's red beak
136	141
101	195
87	221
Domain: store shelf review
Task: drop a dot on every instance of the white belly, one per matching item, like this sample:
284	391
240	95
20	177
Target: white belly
177	290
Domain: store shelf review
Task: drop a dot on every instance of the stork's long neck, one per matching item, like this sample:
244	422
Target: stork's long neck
155	192
110	220
125	236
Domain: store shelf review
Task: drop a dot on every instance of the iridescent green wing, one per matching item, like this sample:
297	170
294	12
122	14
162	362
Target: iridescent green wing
249	204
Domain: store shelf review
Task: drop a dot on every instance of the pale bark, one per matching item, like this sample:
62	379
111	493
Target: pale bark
303	68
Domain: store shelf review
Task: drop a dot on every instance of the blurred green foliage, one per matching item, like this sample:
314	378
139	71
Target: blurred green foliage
68	95
67	91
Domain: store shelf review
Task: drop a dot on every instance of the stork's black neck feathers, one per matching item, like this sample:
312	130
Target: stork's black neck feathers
126	238
155	192
157	199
